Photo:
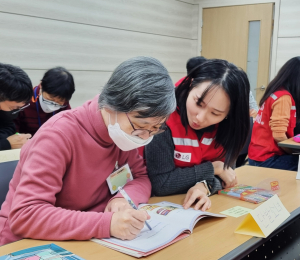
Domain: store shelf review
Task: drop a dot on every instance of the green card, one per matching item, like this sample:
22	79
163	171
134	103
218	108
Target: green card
119	178
236	211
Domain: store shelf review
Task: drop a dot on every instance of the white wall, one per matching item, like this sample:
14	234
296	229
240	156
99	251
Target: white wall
91	37
289	32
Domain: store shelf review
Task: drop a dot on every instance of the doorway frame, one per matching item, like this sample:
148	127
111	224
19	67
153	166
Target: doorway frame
222	3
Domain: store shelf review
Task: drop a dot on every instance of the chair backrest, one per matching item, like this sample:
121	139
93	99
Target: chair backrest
7	170
246	146
8	162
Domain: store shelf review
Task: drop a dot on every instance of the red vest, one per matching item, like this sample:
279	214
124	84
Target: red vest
179	81
188	150
262	145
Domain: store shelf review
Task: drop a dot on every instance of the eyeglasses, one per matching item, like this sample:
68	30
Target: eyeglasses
20	109
136	132
48	102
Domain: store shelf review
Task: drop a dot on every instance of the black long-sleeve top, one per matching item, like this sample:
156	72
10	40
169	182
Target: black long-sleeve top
166	178
7	128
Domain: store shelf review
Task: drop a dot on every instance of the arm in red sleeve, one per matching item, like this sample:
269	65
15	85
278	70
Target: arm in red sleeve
33	213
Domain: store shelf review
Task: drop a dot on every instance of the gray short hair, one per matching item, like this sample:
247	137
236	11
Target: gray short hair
140	84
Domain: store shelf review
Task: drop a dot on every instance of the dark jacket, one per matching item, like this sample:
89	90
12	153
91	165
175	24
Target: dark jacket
7	128
27	120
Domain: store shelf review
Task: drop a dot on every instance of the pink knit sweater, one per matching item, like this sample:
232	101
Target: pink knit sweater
59	189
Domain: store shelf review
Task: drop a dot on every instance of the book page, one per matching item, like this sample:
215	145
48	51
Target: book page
174	213
148	240
168	221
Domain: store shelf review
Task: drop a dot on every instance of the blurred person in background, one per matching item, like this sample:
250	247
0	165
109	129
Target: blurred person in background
15	94
50	97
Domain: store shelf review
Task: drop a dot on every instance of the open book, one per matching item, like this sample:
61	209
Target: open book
169	222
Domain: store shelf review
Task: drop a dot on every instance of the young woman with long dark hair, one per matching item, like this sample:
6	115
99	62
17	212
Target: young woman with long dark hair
276	120
205	134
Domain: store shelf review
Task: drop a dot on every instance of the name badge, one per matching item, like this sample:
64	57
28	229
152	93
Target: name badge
184	157
119	178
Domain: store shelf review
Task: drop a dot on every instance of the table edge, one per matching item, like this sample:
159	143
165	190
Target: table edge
293	146
254	242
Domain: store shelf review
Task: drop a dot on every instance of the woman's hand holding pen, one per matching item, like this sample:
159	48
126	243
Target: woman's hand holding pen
228	175
197	192
127	224
117	204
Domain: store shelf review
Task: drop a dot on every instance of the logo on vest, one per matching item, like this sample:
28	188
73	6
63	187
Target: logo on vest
184	157
258	119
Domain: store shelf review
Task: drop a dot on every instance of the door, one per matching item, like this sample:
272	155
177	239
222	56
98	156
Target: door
241	35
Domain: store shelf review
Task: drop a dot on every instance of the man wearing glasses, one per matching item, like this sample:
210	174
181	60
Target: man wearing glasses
50	97
15	93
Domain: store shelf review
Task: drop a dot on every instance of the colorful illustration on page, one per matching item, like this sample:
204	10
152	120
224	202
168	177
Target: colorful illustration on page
165	210
150	207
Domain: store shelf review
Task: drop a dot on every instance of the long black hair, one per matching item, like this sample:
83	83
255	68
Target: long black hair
194	62
288	77
233	131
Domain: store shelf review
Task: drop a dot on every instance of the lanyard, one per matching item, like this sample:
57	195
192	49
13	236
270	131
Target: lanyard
37	107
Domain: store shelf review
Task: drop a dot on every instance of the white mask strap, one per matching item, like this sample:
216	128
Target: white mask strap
109	119
116	118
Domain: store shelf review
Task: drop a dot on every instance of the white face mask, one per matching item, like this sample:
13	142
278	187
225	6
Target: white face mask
47	108
125	141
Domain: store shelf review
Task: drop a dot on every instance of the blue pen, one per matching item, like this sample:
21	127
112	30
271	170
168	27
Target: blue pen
126	197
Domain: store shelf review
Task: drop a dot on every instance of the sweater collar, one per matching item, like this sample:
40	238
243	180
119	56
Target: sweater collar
99	129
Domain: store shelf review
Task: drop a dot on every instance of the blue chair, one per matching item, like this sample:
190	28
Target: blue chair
7	170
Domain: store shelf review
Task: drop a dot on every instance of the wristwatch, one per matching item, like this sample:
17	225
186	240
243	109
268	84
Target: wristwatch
206	186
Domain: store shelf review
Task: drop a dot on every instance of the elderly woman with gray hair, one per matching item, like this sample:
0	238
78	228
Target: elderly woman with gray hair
65	184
